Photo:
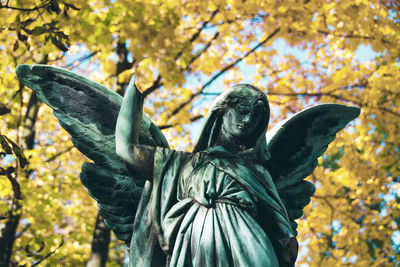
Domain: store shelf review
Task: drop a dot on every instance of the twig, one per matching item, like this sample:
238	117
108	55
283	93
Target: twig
202	51
82	59
51	253
157	82
58	154
24	9
347	35
305	94
205	23
166	126
228	67
199	30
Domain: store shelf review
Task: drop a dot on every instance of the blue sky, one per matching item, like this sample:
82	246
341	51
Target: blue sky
363	54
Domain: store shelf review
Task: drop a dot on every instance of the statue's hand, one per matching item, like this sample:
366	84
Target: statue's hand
132	84
129	121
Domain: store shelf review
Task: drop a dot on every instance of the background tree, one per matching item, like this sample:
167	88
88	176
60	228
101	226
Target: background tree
185	53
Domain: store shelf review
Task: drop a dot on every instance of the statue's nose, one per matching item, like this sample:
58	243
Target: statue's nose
246	118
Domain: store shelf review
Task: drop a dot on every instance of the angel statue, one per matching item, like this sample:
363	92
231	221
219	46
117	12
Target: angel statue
232	201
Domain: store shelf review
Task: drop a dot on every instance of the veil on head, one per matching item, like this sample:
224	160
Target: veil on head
238	95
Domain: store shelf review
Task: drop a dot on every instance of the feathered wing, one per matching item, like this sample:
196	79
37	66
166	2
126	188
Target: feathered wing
295	144
89	111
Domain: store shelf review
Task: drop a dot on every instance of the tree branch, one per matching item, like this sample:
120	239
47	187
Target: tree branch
24	9
318	95
82	59
197	34
157	82
228	67
202	51
50	159
48	255
346	35
166	126
353	36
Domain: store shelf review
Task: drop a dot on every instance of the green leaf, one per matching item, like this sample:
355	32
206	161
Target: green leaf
38	30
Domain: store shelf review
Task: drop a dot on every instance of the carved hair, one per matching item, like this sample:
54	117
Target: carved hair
235	97
232	98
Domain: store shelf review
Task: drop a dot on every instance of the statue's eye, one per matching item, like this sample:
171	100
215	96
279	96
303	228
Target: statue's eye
246	102
242	110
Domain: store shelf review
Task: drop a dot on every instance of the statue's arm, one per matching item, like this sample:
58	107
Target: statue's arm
139	157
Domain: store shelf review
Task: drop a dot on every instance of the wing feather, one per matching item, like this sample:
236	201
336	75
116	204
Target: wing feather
88	111
117	197
295	145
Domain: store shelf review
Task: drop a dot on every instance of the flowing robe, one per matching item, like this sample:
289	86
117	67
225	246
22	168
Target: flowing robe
210	208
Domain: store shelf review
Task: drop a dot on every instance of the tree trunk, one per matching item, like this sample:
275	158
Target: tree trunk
8	232
7	236
101	240
28	132
122	65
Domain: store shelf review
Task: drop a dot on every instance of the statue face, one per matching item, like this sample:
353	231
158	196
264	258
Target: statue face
241	121
238	117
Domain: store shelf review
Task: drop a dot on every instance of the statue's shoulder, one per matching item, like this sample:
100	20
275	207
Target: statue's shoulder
262	170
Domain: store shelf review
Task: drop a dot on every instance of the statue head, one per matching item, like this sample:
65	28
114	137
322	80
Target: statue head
245	113
239	115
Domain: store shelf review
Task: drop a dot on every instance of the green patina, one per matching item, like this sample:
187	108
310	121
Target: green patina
232	201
